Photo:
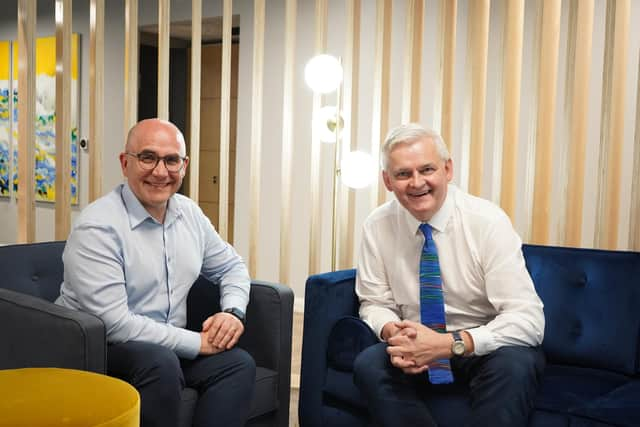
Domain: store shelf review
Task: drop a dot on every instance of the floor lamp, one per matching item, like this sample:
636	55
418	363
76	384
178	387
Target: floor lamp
354	169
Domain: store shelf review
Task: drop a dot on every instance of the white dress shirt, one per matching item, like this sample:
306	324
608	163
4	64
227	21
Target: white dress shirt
487	289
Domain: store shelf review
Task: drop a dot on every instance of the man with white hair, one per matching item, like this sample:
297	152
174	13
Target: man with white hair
442	281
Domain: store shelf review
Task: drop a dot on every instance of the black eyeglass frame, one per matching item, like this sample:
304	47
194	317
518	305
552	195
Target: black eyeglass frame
145	166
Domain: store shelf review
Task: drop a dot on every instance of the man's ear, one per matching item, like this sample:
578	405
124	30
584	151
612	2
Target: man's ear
448	168
387	180
123	163
184	168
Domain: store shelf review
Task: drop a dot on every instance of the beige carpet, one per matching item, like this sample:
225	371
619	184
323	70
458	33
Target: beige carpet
296	351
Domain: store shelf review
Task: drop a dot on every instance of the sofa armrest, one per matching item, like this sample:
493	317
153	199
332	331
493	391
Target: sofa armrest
328	298
38	333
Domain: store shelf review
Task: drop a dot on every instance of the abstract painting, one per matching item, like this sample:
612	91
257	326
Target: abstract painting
45	123
5	119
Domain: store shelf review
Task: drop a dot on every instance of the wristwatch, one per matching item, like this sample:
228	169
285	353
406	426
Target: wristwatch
236	312
457	347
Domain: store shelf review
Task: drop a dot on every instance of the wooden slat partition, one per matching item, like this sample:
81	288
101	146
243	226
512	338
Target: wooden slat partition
96	97
287	138
412	61
380	114
315	240
194	107
634	229
256	133
612	131
512	75
478	50
63	119
448	15
579	71
545	119
164	20
27	12
351	67
130	64
225	120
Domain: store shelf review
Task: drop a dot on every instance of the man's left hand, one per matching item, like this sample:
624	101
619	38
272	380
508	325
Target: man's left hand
223	330
419	347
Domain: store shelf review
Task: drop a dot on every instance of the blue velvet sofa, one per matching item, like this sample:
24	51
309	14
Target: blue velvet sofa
592	344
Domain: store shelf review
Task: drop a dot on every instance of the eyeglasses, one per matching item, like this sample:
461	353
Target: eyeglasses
148	161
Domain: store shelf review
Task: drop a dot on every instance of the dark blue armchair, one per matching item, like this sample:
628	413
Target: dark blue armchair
37	333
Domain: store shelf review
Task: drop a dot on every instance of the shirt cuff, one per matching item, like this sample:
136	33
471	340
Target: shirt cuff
188	345
483	341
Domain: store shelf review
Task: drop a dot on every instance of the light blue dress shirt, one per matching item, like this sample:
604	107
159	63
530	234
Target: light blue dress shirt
135	273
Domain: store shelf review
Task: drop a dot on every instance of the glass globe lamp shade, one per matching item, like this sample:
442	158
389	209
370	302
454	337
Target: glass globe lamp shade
323	73
358	169
324	124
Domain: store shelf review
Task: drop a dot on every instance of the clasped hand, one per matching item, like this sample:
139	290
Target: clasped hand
412	346
220	332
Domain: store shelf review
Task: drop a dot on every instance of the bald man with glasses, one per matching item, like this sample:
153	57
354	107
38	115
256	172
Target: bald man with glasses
131	259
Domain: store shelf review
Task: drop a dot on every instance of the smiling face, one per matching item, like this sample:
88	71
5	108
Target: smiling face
418	177
153	187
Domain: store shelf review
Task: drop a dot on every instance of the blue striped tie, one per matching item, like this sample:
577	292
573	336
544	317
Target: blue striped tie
432	303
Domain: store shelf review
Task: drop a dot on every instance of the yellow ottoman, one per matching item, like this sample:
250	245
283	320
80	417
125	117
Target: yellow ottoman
39	397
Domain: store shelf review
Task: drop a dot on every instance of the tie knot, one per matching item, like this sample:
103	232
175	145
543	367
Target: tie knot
426	230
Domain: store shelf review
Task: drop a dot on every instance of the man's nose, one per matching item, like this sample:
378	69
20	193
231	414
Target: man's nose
416	179
161	168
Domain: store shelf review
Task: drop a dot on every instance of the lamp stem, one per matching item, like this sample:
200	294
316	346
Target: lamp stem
336	178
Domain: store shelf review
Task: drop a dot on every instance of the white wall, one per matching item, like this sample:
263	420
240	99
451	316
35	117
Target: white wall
272	114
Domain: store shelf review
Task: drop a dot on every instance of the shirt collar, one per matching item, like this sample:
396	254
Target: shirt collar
438	221
138	214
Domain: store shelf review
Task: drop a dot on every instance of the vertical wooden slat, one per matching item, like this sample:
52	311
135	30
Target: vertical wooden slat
579	72
287	139
634	229
164	19
512	75
130	64
478	48
96	97
194	125
225	121
315	240
545	118
412	61
351	66
256	132
380	114
26	119
448	17
63	119
612	131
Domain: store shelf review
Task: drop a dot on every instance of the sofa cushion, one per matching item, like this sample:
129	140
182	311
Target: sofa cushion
620	406
566	388
579	288
348	337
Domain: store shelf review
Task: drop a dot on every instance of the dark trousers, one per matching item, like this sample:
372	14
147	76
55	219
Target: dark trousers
224	382
502	387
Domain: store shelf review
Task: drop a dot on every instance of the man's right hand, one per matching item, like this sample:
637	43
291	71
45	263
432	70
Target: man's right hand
207	348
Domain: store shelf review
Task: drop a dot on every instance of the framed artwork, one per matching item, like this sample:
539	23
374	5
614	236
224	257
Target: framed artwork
5	119
45	122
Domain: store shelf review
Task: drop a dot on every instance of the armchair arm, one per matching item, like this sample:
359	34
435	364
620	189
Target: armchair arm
268	329
38	333
328	298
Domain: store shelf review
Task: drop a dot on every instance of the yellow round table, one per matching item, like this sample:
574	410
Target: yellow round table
38	397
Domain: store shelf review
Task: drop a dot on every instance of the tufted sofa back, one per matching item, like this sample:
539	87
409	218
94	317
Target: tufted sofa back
35	269
591	308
